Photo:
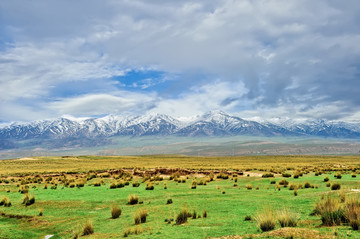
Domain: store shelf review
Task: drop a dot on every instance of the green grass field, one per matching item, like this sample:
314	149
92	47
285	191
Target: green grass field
66	210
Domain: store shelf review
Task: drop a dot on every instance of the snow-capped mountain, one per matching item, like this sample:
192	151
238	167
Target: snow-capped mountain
95	131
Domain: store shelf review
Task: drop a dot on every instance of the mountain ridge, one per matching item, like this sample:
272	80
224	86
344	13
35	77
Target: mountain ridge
214	123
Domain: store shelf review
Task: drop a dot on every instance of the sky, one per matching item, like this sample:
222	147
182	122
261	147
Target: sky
257	59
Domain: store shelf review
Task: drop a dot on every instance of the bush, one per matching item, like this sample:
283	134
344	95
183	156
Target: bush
140	216
338	176
353	175
295	192
248	186
204	214
268	175
284	182
88	229
272	181
335	186
169	201
247	218
41	212
149	186
181	218
287	218
5	201
135	184
292	187
330	211
193	184
326	179
352	213
307	185
28	200
286	175
133	199
266	220
115	212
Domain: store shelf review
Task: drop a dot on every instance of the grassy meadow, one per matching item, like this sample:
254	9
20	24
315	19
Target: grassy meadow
174	196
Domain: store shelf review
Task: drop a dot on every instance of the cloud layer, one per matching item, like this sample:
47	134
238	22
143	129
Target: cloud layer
297	59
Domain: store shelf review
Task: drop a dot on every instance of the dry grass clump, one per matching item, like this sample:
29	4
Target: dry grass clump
335	186
352	212
266	220
135	184
5	201
129	231
330	210
88	229
149	186
140	216
182	217
249	186
287	218
133	199
28	200
115	211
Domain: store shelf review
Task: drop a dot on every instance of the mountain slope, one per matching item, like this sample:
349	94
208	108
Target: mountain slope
96	131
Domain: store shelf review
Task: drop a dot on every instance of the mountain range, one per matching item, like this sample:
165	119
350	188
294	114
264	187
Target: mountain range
98	131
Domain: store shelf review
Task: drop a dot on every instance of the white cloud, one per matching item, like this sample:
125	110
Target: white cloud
217	95
284	56
99	104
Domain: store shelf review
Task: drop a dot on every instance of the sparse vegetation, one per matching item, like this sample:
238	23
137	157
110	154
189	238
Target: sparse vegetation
266	220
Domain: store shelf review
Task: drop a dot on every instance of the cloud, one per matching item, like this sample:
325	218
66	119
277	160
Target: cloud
203	98
100	104
284	57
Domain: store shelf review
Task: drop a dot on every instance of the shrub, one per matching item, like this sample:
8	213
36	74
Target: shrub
140	216
115	212
292	187
204	214
247	218
193	185
5	201
295	192
135	184
88	229
248	186
266	220
330	211
268	175
133	199
41	211
272	181
353	175
169	201
335	186
352	213
284	182
287	218
181	218
307	185
328	185
338	175
326	179
286	175
149	186
28	200
194	215
113	185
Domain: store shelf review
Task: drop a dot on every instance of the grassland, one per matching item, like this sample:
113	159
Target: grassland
78	190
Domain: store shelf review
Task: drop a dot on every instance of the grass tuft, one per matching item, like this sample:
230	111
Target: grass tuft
115	211
266	220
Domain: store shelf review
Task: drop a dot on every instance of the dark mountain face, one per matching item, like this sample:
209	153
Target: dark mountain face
99	131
